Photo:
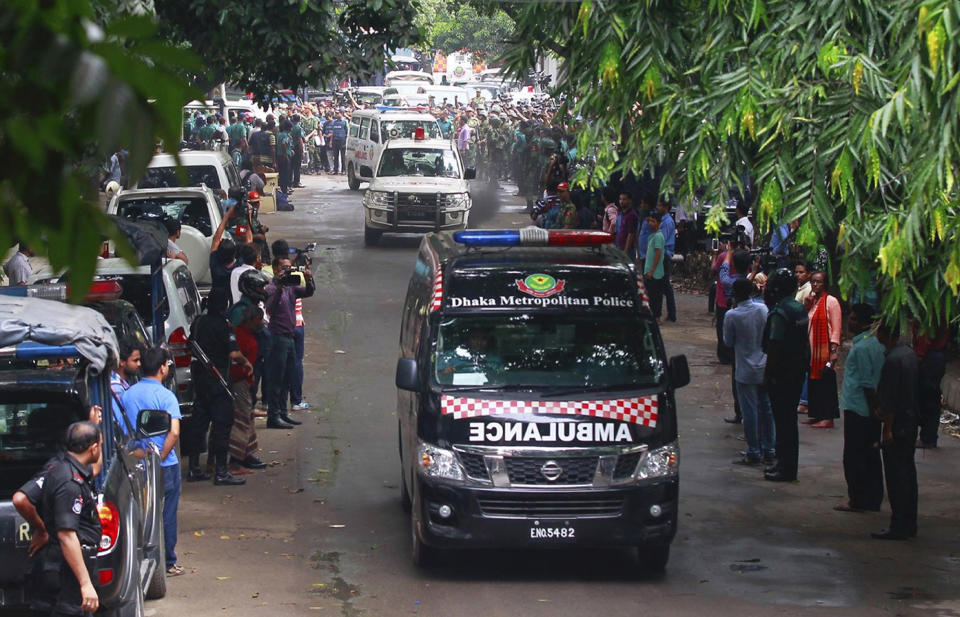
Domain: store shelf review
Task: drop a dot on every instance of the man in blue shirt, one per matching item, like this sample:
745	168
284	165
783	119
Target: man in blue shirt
743	330
337	131
150	393
780	242
861	429
669	230
643	230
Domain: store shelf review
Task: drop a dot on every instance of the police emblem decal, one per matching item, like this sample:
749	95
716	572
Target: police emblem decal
77	505
540	285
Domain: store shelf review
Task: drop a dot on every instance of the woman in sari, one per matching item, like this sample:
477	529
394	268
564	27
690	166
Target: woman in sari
824	329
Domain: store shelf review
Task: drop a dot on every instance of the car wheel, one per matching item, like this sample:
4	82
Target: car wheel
371	236
158	582
653	558
421	554
352	180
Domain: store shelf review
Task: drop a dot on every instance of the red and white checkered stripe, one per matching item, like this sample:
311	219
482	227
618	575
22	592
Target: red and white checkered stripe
642	410
642	292
437	291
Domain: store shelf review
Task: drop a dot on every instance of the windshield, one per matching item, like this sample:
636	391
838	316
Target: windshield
166	177
368	98
405	129
546	351
188	210
30	433
419	162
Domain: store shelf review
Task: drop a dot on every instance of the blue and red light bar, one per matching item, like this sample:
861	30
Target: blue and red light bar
532	236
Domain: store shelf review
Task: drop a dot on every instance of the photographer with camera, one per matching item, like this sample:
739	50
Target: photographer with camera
281	365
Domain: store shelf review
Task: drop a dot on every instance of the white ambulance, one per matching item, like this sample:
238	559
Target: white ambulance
370	129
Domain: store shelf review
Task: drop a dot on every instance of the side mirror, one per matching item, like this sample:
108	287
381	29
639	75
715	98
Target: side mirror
153	423
679	371
366	172
408	376
469	174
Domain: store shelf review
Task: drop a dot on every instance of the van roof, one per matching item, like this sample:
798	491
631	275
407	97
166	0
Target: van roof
189	157
434	144
546	277
394	114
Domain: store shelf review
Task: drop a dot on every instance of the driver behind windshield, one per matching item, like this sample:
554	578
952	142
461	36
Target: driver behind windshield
473	355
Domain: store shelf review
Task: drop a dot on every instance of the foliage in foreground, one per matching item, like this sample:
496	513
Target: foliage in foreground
844	113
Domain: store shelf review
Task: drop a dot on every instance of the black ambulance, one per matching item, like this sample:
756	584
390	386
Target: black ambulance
535	402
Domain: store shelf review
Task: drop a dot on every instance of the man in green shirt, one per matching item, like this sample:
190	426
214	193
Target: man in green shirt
653	264
298	138
861	430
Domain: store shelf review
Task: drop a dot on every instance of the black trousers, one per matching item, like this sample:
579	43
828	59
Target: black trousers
296	161
784	397
283	173
932	367
822	400
655	291
667	289
861	460
724	353
901	472
213	410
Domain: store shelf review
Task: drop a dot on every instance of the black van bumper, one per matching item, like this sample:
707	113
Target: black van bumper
499	518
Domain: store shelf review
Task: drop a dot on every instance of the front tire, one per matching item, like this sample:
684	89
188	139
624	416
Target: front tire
421	554
653	558
371	237
352	180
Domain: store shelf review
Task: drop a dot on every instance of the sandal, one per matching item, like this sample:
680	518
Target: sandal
175	570
845	507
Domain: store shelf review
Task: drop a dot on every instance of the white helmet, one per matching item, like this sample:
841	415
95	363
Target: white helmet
112	188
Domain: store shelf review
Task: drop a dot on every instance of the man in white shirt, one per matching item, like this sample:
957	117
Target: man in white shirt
18	267
743	221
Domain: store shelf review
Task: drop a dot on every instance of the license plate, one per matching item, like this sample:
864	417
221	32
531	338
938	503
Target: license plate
418	211
553	533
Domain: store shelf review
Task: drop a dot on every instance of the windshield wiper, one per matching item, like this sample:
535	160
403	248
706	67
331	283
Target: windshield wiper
485	388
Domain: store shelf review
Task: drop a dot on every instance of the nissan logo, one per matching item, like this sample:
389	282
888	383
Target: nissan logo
551	470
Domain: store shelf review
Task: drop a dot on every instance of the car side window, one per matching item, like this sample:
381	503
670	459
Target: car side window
365	128
375	131
354	127
187	293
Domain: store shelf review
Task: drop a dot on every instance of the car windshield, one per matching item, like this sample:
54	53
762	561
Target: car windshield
368	98
547	350
188	210
166	177
429	163
31	431
405	129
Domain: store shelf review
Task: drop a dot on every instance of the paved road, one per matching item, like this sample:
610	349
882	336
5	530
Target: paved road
321	531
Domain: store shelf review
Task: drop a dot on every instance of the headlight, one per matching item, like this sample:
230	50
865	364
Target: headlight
377	199
438	463
458	200
664	462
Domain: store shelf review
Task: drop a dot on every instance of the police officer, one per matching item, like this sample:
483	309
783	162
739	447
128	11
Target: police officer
787	346
61	499
214	405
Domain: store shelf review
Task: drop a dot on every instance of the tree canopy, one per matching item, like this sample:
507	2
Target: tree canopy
74	93
451	26
259	45
842	113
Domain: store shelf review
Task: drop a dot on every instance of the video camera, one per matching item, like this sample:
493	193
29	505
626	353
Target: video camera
737	236
238	195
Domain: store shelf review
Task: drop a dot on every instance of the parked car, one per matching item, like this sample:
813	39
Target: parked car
54	365
177	307
197	209
212	168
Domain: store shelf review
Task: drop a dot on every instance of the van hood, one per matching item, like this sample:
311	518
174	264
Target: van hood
416	184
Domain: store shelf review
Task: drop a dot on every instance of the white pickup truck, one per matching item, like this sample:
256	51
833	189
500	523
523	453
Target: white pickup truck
196	207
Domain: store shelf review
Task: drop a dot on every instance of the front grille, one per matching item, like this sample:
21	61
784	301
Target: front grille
626	465
416	207
562	507
576	470
474	465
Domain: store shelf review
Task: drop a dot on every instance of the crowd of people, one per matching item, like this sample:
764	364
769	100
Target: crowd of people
782	333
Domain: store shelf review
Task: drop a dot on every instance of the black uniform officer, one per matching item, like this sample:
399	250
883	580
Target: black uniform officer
214	405
60	505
